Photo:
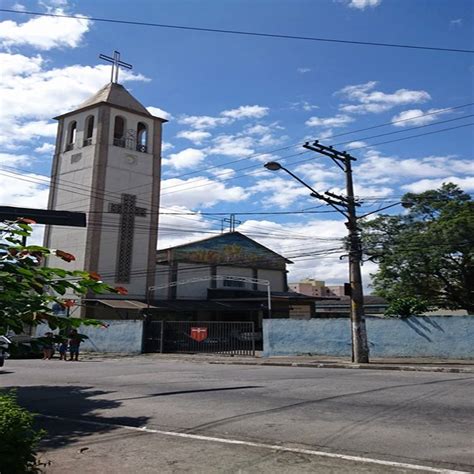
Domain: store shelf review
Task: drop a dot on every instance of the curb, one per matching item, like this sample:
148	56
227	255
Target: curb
401	368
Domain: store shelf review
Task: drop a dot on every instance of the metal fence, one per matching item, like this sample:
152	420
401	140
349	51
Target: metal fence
228	338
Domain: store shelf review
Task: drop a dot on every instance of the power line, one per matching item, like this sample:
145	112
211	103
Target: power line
355	148
349	149
240	32
311	158
117	193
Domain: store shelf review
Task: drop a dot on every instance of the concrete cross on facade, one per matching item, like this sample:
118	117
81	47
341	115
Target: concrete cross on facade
116	65
127	210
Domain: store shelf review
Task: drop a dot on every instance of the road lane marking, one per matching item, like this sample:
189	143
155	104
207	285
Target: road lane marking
275	447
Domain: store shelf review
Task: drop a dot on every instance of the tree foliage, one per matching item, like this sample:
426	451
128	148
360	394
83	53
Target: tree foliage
427	252
28	288
405	307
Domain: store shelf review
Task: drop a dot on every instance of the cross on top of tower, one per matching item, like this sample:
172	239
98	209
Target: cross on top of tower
116	64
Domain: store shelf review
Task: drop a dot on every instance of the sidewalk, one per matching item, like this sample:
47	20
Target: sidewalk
403	364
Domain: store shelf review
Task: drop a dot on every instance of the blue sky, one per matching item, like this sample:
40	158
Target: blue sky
234	98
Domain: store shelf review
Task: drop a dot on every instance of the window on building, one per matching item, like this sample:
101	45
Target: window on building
119	131
142	136
71	135
234	283
89	130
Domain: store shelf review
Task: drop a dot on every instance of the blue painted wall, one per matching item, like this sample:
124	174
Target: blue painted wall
120	336
434	336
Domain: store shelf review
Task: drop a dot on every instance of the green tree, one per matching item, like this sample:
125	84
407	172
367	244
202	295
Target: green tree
28	288
427	252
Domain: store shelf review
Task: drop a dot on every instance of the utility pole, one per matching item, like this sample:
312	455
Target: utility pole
360	348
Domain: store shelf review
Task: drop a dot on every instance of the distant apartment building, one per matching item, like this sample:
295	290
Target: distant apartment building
312	287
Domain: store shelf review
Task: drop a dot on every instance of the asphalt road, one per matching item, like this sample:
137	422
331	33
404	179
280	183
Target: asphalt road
226	418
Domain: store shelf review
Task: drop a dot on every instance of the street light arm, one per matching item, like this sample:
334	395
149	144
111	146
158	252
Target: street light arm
314	193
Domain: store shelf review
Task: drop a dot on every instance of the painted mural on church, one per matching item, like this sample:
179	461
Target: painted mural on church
228	249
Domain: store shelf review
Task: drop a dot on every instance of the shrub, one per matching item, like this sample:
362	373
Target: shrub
405	307
18	438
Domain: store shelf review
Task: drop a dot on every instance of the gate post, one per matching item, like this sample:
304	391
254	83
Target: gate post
162	323
253	339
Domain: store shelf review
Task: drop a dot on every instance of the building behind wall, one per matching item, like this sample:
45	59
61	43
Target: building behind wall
209	288
312	287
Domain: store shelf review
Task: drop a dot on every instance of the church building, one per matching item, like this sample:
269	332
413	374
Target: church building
107	163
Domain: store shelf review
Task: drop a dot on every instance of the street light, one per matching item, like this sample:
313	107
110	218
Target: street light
273	166
345	205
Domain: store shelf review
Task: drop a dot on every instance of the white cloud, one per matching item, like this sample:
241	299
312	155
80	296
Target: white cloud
466	184
19	6
414	117
202	122
318	172
265	135
17	64
280	192
199	191
246	111
8	159
31	95
157	112
456	22
185	158
165	146
363	4
259	129
171	227
46	148
373	101
230	145
195	136
308	107
44	33
223	172
265	157
376	168
25	190
303	105
339	120
291	243
355	145
303	70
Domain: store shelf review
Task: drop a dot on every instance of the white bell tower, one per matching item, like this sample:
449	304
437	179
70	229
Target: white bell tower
107	163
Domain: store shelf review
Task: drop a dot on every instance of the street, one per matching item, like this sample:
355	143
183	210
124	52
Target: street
141	414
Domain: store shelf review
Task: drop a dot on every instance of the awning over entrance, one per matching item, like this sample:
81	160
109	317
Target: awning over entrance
122	304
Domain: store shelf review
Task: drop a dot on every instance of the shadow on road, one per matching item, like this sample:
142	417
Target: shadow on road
185	392
79	402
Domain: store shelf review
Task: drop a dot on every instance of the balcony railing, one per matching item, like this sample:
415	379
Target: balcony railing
87	142
142	148
69	147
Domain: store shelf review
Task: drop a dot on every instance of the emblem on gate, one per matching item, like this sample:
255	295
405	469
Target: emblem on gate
199	334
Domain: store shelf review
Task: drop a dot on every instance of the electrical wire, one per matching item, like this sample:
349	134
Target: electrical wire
238	32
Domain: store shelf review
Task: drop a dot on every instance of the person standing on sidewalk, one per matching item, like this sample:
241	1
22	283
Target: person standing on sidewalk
74	343
48	346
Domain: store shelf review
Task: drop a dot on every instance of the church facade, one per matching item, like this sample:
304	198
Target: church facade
107	163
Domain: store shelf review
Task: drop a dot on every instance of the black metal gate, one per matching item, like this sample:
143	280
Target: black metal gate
153	336
226	338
